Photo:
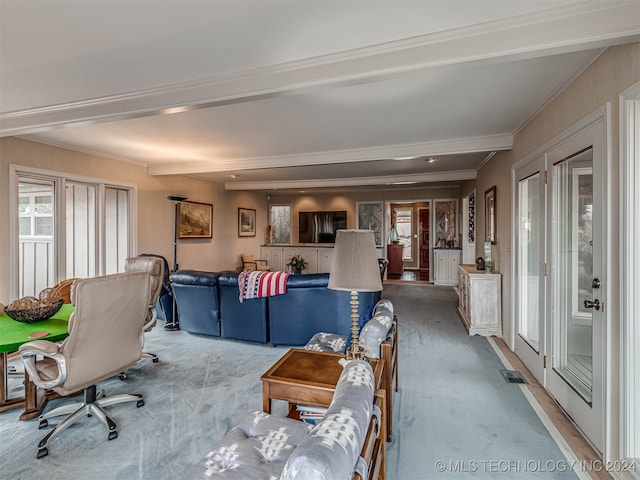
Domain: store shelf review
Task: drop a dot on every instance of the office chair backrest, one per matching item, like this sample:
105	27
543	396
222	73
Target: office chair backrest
105	328
154	266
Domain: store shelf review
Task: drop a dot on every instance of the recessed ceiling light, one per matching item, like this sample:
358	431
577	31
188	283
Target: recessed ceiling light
432	159
233	175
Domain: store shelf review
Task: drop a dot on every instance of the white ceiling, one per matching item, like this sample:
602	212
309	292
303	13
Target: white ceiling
295	94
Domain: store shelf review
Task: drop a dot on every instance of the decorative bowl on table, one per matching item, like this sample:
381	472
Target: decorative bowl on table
32	309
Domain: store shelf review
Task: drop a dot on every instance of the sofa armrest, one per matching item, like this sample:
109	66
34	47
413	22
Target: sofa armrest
389	355
374	450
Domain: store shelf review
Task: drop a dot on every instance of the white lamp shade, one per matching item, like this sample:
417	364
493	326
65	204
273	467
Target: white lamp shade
355	263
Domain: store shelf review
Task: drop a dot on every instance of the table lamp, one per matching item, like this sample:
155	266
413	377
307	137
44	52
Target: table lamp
354	268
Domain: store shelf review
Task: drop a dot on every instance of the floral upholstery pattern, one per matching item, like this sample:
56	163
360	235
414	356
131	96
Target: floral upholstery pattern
265	447
327	342
331	450
255	449
372	334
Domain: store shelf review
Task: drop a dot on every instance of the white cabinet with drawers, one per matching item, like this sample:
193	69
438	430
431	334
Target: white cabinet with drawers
480	300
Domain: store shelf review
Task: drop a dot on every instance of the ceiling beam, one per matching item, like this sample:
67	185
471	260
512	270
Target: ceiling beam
446	147
413	178
575	27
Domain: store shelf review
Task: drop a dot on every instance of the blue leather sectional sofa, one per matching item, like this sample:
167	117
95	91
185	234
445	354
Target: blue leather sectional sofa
208	303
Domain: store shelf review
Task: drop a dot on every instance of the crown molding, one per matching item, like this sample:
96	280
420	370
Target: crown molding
446	147
414	178
575	27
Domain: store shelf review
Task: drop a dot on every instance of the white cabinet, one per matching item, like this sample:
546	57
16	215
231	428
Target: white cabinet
318	258
311	256
274	257
446	262
480	300
325	256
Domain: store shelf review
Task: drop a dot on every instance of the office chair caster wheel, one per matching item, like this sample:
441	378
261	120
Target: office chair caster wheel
123	376
42	452
43	424
155	360
140	403
113	435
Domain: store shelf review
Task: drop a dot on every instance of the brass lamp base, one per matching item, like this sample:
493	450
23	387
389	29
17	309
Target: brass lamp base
355	350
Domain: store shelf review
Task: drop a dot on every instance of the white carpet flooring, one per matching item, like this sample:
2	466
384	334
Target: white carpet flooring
454	417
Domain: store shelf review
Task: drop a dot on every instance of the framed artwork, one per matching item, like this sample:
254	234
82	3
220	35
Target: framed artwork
246	222
490	215
194	220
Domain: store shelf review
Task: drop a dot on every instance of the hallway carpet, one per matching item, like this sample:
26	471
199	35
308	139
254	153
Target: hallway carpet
454	416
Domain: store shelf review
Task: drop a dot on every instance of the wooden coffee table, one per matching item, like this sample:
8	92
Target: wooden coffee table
307	377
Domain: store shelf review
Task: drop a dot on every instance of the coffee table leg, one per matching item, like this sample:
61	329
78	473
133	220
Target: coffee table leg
266	402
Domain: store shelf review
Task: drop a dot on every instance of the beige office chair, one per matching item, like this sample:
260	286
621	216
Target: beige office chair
104	340
154	266
249	262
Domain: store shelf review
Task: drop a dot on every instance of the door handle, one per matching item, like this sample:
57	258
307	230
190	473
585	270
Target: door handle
595	304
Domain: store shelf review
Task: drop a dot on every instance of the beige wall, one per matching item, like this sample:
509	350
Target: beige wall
615	70
155	212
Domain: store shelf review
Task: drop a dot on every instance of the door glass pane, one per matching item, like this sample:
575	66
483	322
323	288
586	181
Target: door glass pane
81	227
36	252
529	232
280	221
116	208
404	222
446	231
370	218
573	275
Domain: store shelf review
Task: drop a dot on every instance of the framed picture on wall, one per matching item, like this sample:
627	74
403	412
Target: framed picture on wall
194	219
246	222
490	215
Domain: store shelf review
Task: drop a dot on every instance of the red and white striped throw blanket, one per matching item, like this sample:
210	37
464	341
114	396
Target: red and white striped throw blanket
254	284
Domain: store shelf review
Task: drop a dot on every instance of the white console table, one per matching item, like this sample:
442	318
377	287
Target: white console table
480	300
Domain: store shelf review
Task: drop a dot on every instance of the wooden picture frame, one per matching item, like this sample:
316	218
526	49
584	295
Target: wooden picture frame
194	220
246	222
490	215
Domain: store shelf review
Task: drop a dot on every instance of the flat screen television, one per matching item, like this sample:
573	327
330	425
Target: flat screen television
320	227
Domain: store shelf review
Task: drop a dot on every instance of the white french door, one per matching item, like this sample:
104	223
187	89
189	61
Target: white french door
530	266
576	333
560	209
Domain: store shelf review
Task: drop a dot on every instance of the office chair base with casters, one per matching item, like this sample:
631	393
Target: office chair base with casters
154	358
91	406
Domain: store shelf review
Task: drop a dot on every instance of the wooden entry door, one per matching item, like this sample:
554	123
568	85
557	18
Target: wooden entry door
424	238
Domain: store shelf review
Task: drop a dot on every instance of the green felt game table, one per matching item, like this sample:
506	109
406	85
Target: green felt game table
12	335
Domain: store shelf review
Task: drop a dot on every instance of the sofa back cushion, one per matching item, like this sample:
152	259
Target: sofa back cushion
309	307
196	294
246	321
375	331
331	450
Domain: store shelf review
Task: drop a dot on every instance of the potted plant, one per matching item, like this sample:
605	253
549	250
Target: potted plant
297	264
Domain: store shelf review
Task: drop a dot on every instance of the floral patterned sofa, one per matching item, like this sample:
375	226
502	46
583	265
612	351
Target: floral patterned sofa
379	337
349	442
